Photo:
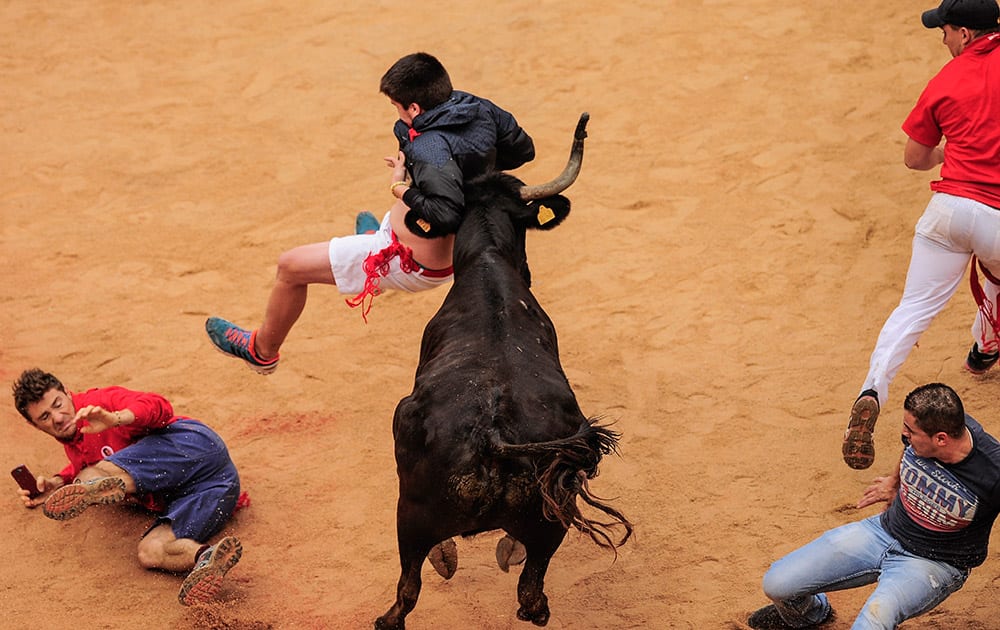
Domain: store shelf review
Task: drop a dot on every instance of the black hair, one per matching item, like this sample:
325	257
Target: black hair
417	78
31	387
937	408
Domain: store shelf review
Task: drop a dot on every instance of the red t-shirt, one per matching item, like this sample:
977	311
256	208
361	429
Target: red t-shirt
152	412
962	104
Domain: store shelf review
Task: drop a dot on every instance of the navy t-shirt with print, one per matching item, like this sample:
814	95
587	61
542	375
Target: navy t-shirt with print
946	511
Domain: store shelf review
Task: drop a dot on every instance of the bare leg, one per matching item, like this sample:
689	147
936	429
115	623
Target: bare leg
297	269
161	549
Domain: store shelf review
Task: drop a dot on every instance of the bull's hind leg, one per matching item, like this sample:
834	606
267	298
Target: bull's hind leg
540	543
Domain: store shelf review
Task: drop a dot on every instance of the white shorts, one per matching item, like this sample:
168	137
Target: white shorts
348	255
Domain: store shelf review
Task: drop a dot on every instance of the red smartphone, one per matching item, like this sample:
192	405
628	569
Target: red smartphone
26	480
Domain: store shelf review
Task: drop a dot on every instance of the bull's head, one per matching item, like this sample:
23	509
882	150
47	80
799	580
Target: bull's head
545	207
568	176
501	216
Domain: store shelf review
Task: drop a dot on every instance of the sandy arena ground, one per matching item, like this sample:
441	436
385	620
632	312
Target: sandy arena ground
740	230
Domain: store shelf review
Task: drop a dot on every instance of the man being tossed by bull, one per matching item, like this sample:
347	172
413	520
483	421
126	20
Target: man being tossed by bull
446	137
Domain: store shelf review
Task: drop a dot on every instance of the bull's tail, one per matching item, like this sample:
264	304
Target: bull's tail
566	476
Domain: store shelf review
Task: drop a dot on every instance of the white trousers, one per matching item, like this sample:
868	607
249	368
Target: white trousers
950	231
347	258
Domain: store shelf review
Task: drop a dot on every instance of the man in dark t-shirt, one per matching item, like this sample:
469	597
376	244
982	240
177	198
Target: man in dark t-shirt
943	499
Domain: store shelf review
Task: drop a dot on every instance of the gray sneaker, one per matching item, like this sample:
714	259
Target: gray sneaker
203	582
70	501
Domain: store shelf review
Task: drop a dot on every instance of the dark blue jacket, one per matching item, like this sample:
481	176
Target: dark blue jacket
450	144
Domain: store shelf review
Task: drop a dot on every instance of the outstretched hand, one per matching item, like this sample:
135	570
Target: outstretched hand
881	489
99	419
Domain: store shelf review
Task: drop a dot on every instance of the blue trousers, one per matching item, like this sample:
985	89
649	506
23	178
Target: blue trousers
187	465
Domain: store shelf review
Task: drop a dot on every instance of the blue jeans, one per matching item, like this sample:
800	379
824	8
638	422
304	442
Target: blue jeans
854	555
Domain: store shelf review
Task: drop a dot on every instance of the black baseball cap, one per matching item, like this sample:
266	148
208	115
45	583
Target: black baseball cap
975	14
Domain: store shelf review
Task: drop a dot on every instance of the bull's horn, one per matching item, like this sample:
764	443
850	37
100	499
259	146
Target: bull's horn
568	176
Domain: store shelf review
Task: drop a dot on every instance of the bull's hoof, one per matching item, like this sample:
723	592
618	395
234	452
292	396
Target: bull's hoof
539	618
382	624
509	551
444	558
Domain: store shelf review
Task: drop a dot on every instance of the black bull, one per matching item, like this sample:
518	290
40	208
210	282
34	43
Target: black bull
492	436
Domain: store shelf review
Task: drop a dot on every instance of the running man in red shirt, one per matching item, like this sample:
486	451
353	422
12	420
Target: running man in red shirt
123	443
962	220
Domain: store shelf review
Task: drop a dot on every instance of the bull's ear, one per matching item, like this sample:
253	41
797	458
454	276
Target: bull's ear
548	212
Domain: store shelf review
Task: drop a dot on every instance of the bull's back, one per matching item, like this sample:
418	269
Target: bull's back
489	368
465	393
